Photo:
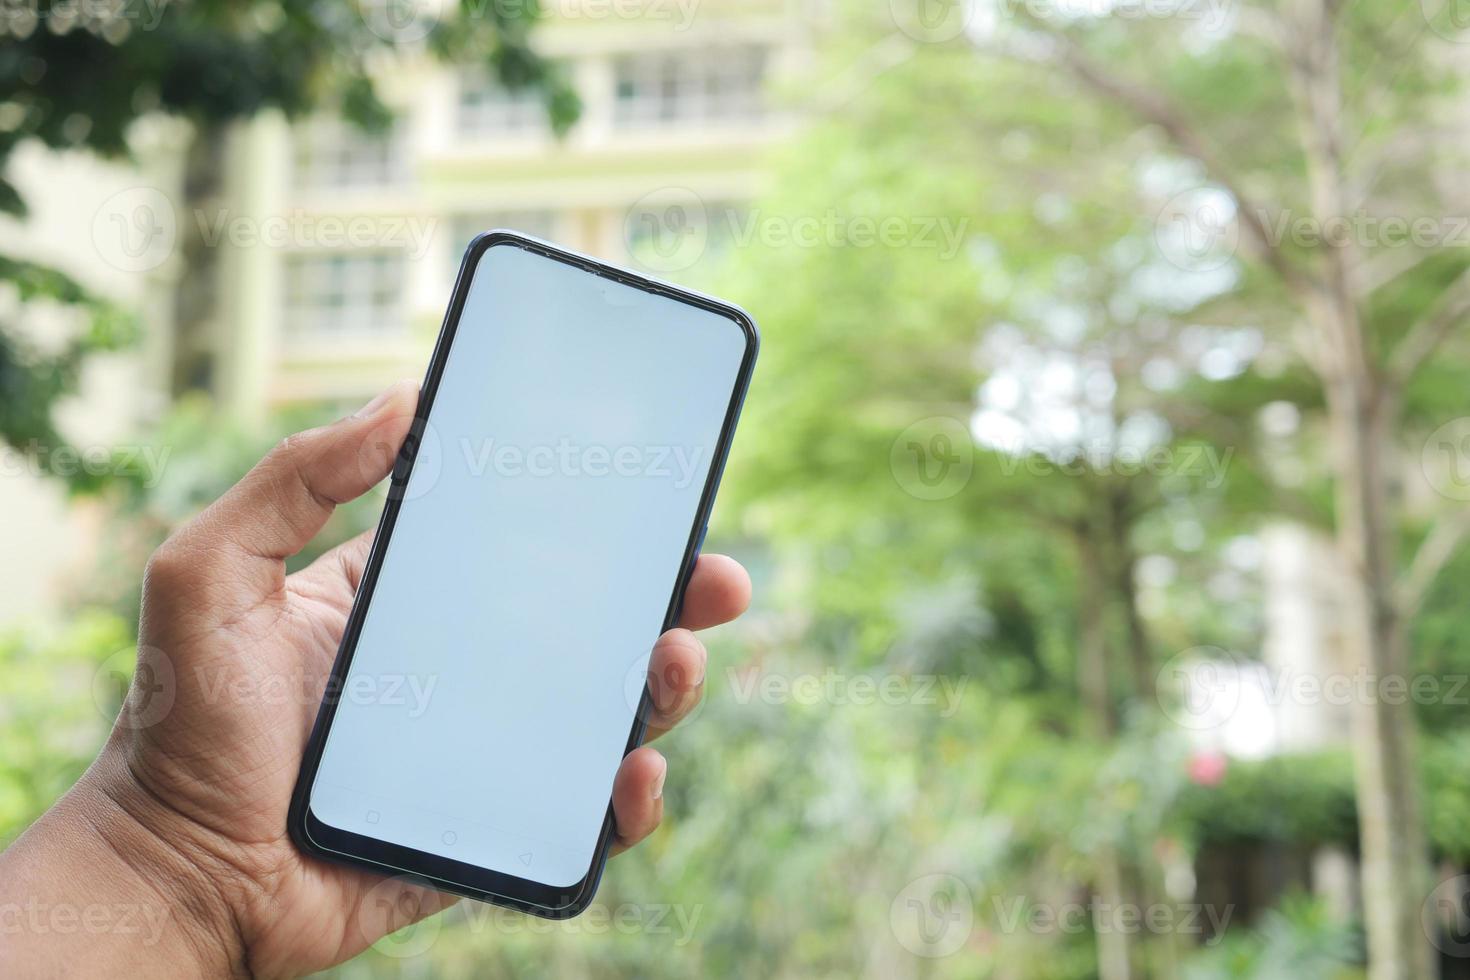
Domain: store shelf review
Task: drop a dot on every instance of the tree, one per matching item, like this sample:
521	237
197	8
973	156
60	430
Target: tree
1297	116
1263	165
79	76
1066	463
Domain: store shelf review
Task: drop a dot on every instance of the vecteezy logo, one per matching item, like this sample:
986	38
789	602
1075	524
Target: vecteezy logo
1199	688
933	915
1446	459
1445	916
400	21
932	21
667	230
421	447
138	687
396	910
1450	19
1196	230
135	230
663	682
933	458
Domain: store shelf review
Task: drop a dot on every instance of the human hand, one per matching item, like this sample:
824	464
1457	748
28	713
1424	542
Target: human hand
191	791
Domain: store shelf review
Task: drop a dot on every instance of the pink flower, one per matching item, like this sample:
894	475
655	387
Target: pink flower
1207	767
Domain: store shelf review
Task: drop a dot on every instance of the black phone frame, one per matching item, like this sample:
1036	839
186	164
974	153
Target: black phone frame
435	871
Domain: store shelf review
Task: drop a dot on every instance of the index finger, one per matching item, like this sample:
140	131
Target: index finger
718	591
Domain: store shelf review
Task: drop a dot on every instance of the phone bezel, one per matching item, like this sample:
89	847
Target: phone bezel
436	871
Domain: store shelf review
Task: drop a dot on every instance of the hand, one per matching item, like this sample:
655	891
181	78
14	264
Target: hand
191	791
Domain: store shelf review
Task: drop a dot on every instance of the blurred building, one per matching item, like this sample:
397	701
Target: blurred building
1304	640
334	252
284	264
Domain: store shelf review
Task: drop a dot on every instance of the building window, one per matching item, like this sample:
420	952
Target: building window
337	154
487	108
464	227
338	295
680	87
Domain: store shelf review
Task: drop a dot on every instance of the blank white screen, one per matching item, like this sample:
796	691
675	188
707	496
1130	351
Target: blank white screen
494	683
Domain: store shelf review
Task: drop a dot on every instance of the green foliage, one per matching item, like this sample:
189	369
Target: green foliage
1447	796
211	62
1440	649
217	61
1306	801
34	375
1060	193
199	454
1303	800
793	826
62	689
499	34
1300	941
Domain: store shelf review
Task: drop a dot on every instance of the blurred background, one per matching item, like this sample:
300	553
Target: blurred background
1104	479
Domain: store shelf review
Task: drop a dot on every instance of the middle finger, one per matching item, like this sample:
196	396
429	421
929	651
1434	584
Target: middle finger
675	679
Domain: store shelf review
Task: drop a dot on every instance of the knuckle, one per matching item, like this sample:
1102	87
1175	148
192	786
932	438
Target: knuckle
290	450
298	448
187	558
291	458
168	567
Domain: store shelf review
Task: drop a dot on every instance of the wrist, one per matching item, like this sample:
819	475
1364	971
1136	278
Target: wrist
109	881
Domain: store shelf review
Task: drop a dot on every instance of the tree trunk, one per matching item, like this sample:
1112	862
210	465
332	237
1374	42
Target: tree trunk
1362	416
1092	643
1115	949
197	295
1124	571
1395	854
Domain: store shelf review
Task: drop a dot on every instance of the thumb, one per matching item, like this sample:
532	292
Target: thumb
280	505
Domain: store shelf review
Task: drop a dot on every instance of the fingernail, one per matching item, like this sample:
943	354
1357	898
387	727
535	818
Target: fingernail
658	782
383	398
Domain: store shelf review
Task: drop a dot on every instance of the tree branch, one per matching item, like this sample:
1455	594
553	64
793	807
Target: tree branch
1154	108
1382	268
1434	553
1424	337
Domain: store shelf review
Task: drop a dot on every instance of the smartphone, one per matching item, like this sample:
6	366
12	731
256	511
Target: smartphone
542	521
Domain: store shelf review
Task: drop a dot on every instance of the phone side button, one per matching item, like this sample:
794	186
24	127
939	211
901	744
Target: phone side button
404	460
699	543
